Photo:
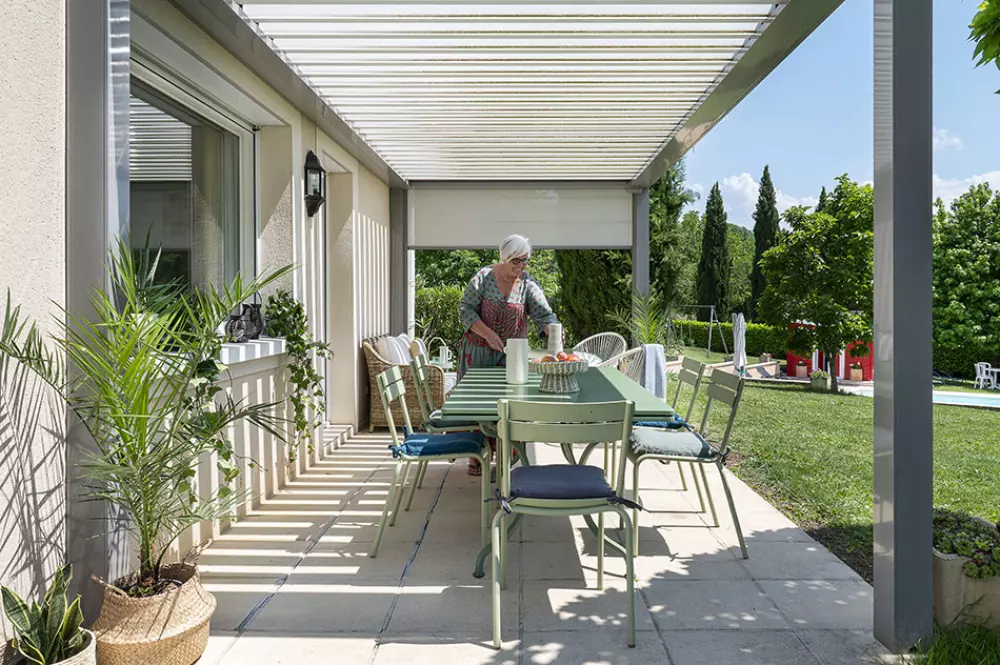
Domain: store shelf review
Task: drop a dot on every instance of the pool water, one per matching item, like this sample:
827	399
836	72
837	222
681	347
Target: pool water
966	399
951	398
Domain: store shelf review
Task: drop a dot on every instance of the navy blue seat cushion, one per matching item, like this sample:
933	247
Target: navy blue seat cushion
671	442
559	481
420	444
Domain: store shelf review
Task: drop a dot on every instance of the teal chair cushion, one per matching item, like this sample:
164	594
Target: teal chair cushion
559	481
458	444
676	423
671	443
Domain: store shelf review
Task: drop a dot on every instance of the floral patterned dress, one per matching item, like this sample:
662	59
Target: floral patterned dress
508	318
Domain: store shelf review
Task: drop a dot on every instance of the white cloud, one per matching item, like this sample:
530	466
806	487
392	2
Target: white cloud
945	140
740	193
698	189
949	189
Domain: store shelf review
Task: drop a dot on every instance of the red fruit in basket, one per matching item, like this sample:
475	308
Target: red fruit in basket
562	357
572	358
547	359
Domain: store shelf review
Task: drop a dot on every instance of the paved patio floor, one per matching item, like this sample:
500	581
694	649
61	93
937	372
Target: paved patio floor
295	584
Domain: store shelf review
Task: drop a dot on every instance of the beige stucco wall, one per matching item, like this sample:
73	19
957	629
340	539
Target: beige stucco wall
32	244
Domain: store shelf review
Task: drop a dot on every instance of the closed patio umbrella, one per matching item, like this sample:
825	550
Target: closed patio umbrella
739	343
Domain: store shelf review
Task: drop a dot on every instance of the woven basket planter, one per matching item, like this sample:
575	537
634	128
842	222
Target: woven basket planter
10	656
170	628
559	377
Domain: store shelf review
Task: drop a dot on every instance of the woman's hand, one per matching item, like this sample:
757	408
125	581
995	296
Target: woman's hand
493	340
488	334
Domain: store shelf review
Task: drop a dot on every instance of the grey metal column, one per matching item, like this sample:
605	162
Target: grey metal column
399	282
640	240
904	593
97	209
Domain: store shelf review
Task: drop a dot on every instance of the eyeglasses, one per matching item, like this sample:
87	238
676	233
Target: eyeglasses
520	263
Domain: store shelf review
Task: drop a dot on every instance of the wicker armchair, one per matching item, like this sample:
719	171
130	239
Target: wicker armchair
603	345
376	365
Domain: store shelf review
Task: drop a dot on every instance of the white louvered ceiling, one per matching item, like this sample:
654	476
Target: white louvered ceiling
553	90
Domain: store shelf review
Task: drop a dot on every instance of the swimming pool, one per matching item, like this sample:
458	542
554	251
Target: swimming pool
982	400
967	399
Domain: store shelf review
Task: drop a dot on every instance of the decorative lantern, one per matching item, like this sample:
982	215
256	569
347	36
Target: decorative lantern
315	184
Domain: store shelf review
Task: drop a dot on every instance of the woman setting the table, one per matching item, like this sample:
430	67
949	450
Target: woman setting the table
496	307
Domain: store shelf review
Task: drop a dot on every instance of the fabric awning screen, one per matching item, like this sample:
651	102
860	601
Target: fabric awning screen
481	217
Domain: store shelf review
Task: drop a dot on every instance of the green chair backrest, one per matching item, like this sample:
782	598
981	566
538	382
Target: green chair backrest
421	381
391	388
692	372
728	389
583	423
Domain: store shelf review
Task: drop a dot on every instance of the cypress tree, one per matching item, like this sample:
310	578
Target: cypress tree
714	267
765	233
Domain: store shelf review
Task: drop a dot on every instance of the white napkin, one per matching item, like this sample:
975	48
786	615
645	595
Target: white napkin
654	377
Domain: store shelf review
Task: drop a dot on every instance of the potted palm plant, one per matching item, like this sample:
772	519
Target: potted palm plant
648	321
49	633
145	384
966	569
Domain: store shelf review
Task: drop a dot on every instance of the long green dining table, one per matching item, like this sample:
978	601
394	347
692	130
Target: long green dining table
475	398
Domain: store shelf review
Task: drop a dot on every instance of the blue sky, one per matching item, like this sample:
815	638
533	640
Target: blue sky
811	119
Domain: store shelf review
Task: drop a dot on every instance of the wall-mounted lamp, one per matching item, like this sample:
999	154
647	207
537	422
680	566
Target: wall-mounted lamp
315	184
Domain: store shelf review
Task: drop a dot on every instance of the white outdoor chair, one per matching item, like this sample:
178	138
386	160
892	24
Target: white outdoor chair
985	376
603	345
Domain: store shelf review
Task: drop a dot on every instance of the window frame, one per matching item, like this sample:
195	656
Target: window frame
175	91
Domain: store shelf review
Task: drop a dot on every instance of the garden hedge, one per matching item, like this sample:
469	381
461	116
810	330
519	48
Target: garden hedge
760	338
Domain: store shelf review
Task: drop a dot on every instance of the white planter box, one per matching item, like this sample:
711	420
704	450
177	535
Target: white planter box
962	598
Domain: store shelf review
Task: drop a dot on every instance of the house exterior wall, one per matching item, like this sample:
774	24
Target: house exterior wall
33	247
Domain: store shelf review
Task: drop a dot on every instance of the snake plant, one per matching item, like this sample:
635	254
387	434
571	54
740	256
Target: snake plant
48	632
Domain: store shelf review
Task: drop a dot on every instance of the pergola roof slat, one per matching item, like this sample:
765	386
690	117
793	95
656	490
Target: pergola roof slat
554	89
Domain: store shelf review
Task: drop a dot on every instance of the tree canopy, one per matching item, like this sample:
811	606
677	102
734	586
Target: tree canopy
822	272
967	280
985	32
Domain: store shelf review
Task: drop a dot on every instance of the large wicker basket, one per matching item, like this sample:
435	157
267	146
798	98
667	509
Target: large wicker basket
170	628
560	377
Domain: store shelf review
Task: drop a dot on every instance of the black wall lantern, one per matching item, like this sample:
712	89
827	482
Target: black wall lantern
315	184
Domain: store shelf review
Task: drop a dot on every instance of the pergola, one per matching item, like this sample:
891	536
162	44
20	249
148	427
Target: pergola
557	115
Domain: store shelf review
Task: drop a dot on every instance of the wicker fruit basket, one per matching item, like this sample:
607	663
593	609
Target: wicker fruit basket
559	377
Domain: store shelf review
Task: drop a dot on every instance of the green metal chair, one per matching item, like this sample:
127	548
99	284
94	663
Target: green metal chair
561	489
432	417
420	448
685	445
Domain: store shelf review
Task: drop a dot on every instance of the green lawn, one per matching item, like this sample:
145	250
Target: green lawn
964	387
702	355
811	455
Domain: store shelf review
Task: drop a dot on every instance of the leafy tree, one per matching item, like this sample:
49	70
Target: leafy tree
823	200
967	280
765	231
985	31
692	227
714	266
740	244
667	199
452	267
823	272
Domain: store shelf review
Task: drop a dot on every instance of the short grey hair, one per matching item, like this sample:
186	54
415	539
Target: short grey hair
513	247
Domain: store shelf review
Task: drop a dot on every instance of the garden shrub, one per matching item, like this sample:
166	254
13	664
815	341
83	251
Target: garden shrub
760	338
